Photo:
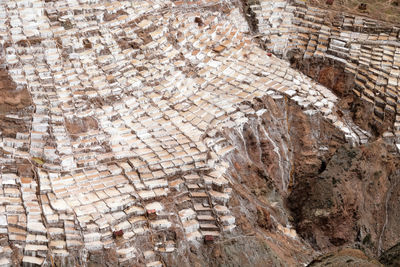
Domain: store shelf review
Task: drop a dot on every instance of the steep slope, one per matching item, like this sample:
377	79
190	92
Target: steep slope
160	133
391	257
353	201
344	257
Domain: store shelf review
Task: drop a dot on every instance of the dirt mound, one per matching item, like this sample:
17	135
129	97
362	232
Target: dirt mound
15	101
11	97
9	127
81	125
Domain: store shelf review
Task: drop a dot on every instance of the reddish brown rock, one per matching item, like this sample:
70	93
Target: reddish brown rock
352	201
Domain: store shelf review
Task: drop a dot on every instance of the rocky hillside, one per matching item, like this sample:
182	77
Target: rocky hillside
197	133
387	10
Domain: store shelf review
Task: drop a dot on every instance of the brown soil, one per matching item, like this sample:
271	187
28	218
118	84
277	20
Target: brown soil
333	78
345	204
11	98
24	169
344	257
327	72
361	112
78	125
98	102
386	10
109	17
145	34
391	257
10	127
14	101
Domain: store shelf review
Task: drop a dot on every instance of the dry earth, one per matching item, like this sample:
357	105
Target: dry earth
385	10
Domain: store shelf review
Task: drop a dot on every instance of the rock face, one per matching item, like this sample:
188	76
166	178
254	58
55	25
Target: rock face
391	257
337	195
14	101
352	201
12	97
326	71
345	257
277	145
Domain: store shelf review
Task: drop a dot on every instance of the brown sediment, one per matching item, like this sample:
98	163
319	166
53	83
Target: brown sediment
12	98
80	125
